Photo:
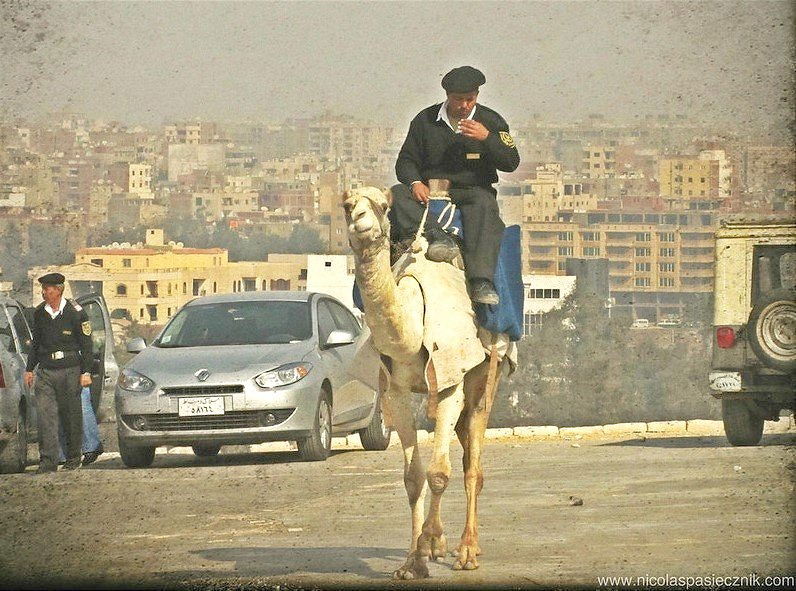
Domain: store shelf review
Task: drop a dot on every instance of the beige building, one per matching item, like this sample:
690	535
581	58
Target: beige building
149	282
695	182
183	159
655	260
132	178
599	161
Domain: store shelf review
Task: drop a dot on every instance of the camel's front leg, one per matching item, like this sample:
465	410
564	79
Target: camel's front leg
472	429
396	403
432	539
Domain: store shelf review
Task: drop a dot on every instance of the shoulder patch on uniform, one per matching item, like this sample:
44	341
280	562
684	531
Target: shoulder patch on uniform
86	326
506	138
76	306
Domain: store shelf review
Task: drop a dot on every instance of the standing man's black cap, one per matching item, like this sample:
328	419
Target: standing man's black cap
52	279
463	79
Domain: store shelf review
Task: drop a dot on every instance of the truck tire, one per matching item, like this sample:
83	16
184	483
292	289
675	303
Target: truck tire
772	329
14	454
376	436
318	446
136	457
742	424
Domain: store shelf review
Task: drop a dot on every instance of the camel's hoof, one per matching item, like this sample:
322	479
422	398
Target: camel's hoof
466	559
414	568
458	550
439	547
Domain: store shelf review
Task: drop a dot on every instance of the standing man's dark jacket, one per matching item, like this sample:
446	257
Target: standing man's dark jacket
69	332
433	150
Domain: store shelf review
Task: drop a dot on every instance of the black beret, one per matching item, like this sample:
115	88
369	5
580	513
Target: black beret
52	279
463	79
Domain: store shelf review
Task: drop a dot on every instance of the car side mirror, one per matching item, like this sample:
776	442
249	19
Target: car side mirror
136	345
337	338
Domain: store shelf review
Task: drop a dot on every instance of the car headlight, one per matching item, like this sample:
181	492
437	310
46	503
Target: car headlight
134	381
283	375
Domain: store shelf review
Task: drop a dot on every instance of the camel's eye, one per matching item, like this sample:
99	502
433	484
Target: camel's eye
348	206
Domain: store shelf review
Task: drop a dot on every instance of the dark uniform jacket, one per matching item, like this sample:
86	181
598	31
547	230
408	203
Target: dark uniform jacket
69	332
433	150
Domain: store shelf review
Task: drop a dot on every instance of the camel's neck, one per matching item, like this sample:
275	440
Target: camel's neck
386	311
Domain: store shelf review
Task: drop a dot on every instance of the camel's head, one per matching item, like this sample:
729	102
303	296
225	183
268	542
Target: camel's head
366	214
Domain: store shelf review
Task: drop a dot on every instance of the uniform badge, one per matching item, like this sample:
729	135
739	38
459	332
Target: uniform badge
506	138
86	326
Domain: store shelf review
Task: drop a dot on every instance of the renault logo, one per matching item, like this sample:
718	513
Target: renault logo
202	375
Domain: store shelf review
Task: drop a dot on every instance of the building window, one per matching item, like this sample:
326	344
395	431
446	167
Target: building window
97	262
127	263
667	252
565	251
643	237
643	252
562	266
591	251
590	236
565	236
666	267
642	281
531	322
184	288
666	281
643	267
666	236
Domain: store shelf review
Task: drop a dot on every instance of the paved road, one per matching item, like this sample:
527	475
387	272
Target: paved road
669	506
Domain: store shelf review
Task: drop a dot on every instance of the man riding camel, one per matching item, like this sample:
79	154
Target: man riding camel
465	143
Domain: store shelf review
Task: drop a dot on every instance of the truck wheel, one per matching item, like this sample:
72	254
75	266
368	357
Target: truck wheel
318	446
206	451
742	424
136	457
14	454
772	329
376	436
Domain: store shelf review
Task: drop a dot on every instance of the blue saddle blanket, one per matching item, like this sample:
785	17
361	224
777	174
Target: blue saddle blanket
506	317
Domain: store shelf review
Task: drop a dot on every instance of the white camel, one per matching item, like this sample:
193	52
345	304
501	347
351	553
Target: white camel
432	342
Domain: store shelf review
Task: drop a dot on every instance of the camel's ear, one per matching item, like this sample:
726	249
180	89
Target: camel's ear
388	195
345	196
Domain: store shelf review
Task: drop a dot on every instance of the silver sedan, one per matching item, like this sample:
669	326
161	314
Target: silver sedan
248	368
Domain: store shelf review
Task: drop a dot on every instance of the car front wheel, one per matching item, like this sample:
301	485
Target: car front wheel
136	457
317	446
14	454
742	424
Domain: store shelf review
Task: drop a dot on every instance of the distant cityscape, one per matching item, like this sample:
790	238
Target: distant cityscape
634	204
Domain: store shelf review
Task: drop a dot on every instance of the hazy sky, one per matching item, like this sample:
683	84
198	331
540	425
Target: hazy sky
146	61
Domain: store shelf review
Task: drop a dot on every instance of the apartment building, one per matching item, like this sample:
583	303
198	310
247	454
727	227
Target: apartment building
132	178
149	282
702	182
656	261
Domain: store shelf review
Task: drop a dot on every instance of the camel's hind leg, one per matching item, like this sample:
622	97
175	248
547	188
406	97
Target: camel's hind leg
470	429
432	539
396	405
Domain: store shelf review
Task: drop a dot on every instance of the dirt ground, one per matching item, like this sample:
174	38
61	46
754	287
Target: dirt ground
654	507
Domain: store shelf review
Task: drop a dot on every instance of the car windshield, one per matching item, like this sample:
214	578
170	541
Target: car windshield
238	323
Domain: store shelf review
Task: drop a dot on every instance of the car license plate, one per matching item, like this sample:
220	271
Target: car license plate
201	405
725	381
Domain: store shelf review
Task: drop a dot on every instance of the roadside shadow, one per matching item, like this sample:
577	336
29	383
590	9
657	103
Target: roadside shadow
769	439
189	460
334	560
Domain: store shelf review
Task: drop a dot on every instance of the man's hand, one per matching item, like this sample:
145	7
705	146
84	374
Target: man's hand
420	192
28	378
85	380
473	129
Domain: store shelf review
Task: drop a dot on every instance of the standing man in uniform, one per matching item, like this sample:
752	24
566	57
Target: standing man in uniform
465	143
62	350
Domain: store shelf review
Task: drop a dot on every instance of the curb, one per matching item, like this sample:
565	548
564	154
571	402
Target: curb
690	428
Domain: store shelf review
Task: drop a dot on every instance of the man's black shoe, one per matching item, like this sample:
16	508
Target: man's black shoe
45	469
72	464
482	291
91	456
442	248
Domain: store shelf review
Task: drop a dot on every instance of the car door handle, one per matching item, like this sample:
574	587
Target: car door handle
107	380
